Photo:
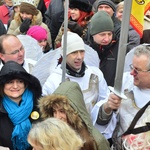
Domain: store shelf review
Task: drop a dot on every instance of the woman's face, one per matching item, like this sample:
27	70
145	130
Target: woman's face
75	13
60	113
25	15
14	89
43	43
17	9
119	14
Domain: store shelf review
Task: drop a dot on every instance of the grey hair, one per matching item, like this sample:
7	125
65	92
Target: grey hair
143	49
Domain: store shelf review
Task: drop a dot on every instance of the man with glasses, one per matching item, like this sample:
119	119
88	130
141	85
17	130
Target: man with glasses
132	113
12	49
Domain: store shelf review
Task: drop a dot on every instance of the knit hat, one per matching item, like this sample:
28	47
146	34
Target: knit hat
28	8
101	22
83	5
16	2
37	32
106	2
74	42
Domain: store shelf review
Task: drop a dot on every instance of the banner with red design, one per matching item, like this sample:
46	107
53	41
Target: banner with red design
139	8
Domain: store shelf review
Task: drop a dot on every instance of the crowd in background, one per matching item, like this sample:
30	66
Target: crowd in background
40	110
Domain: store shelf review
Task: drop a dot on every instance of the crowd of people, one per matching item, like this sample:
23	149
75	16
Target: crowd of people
64	100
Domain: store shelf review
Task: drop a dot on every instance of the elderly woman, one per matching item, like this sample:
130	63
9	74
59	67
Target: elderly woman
54	134
28	16
19	92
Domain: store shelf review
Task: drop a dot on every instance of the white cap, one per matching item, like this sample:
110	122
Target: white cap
74	43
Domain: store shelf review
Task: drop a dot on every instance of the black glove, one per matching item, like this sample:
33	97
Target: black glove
75	27
25	25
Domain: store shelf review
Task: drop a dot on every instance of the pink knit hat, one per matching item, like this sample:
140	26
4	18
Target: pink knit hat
37	32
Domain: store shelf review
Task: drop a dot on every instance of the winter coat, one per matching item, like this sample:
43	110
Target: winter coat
75	27
133	39
70	94
108	56
4	14
14	27
54	17
12	72
41	6
2	28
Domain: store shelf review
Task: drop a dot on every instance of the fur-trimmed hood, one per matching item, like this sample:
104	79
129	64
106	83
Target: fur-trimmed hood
70	96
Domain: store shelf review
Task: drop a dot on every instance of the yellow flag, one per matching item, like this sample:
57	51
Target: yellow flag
139	7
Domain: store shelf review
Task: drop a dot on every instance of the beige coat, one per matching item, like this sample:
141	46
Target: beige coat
14	27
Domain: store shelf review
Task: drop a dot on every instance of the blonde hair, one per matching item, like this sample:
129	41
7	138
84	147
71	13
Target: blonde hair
120	6
17	18
54	134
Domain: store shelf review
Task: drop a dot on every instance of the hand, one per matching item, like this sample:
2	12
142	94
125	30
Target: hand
25	25
74	27
4	148
113	103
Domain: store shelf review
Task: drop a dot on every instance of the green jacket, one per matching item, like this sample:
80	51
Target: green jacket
70	92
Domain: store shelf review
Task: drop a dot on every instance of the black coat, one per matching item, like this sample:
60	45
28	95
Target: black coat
12	70
108	59
2	28
6	127
54	18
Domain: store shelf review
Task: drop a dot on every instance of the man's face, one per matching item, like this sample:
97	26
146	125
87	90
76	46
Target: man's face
140	74
106	8
13	50
103	38
75	60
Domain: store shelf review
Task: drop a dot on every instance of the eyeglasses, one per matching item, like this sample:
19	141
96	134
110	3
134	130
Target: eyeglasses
136	70
16	51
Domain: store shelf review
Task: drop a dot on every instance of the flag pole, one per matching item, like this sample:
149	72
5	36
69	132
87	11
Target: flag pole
65	40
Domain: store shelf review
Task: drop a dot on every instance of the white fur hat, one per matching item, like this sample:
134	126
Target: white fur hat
74	43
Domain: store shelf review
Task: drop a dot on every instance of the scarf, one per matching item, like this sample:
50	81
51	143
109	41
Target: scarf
71	72
19	116
10	9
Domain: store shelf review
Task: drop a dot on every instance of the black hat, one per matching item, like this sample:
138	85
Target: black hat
107	2
83	5
12	70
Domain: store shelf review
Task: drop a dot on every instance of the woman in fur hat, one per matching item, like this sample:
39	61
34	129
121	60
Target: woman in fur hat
28	16
80	13
19	92
67	104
